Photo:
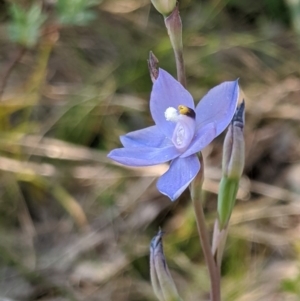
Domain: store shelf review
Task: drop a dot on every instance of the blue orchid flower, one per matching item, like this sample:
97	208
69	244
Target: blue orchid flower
180	131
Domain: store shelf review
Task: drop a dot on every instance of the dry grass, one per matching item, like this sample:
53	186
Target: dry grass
75	226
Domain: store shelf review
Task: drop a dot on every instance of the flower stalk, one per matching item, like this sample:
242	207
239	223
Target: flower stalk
196	195
174	27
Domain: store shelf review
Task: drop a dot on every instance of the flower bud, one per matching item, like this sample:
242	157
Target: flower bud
161	279
234	145
165	7
232	166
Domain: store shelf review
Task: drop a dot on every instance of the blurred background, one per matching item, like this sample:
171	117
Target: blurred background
73	78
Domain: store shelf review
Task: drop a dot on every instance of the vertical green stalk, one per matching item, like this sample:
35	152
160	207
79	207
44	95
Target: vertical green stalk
196	195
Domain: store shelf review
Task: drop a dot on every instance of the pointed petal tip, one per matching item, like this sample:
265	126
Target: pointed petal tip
235	83
123	139
237	87
113	154
172	197
162	74
109	155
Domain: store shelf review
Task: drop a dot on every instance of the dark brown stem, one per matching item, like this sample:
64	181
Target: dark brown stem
213	270
11	65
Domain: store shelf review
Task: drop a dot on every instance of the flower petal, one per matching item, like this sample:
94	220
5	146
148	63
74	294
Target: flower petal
184	132
143	156
151	137
218	106
181	173
202	138
167	92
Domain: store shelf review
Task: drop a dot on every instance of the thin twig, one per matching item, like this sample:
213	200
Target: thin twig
21	51
213	270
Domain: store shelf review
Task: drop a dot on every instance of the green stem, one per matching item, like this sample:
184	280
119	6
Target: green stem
214	274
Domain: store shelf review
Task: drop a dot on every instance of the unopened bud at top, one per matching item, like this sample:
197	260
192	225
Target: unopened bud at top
165	7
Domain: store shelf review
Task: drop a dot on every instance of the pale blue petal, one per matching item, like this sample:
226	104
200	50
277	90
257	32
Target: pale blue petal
143	156
151	137
218	106
167	92
203	137
181	173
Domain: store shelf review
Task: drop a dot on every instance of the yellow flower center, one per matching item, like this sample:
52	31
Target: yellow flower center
184	110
